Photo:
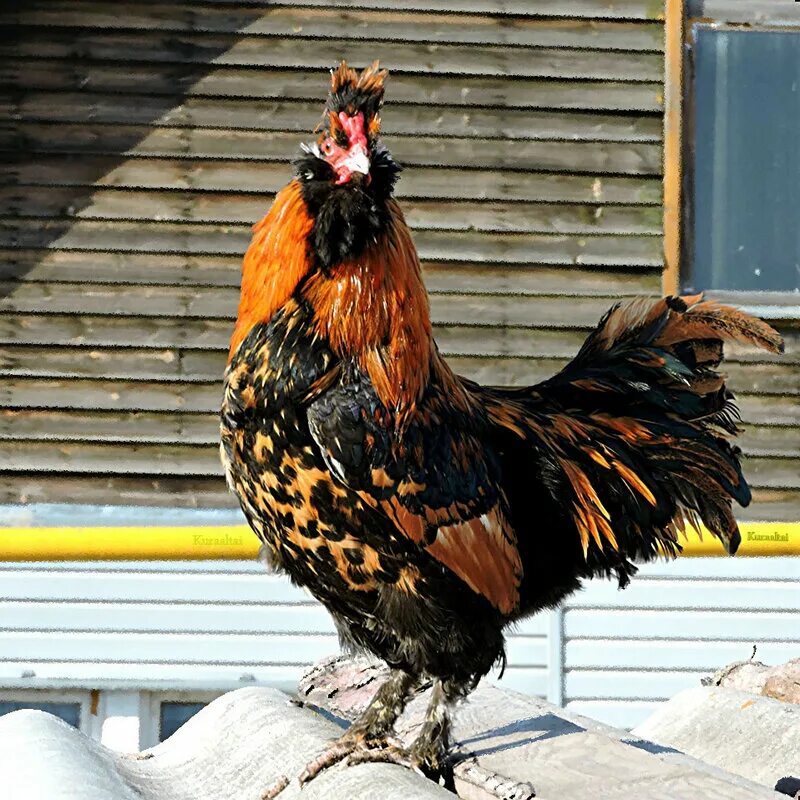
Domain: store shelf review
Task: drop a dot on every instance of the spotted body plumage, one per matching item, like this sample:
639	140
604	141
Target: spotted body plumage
380	586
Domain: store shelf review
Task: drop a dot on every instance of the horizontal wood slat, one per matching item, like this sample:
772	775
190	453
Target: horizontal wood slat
142	490
58	266
55	457
238	176
768	504
296	52
331	23
554	156
205	396
479	247
590	9
203	429
220	303
536	339
246	209
205	85
454	342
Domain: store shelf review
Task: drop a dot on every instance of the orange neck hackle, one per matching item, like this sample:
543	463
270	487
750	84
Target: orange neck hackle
276	261
374	309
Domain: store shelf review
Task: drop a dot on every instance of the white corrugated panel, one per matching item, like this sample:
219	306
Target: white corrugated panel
212	625
626	651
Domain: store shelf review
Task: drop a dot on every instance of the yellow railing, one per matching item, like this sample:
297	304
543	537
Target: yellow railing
197	543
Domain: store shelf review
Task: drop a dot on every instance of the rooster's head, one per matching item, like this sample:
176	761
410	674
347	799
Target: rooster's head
347	175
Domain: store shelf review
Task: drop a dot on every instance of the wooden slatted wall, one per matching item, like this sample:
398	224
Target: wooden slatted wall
146	137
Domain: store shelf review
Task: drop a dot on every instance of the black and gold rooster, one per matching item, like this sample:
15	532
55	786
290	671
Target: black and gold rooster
426	512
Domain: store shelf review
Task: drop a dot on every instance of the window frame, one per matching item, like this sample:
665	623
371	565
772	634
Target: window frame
90	721
150	714
682	19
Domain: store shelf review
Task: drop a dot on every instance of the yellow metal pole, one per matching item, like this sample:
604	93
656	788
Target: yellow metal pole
197	543
673	142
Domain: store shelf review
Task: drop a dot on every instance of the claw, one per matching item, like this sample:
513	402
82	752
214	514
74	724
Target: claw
337	752
276	788
385	755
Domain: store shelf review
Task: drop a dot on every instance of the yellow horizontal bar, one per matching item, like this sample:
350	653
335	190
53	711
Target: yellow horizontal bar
139	543
212	542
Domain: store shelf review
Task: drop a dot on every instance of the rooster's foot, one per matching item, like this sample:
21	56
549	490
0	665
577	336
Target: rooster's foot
343	748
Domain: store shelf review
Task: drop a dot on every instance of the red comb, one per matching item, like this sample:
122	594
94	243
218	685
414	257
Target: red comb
354	128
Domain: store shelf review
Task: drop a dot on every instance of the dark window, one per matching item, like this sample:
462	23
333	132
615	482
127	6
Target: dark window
69	712
746	160
174	714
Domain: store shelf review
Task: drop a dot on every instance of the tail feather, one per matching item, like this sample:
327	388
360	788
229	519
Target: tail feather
643	397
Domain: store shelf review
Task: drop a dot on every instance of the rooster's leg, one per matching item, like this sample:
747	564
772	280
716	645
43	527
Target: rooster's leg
428	752
370	730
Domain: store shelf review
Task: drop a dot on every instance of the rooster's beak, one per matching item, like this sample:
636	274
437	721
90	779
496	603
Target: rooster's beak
356	161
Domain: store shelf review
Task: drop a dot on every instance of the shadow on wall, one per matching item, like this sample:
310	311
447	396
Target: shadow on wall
116	121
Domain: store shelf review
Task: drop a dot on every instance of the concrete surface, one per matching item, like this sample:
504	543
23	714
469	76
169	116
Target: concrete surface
750	735
512	746
234	749
512	741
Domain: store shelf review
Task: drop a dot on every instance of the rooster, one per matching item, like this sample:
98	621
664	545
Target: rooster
426	512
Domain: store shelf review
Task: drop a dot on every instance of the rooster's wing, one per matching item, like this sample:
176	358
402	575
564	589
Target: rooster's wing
435	479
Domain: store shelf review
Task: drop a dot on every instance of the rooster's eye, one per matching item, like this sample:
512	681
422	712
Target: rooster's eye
327	147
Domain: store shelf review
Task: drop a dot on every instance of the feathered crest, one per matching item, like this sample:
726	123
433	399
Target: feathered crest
352	93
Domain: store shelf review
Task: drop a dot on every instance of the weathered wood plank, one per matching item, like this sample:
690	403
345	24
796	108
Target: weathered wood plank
80	330
110	395
421	183
629	158
56	266
768	504
216	83
590	9
109	458
109	426
246	209
242	50
331	23
128	362
286	115
772	505
530	353
168	428
203	460
479	247
221	303
188	338
205	396
162	491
